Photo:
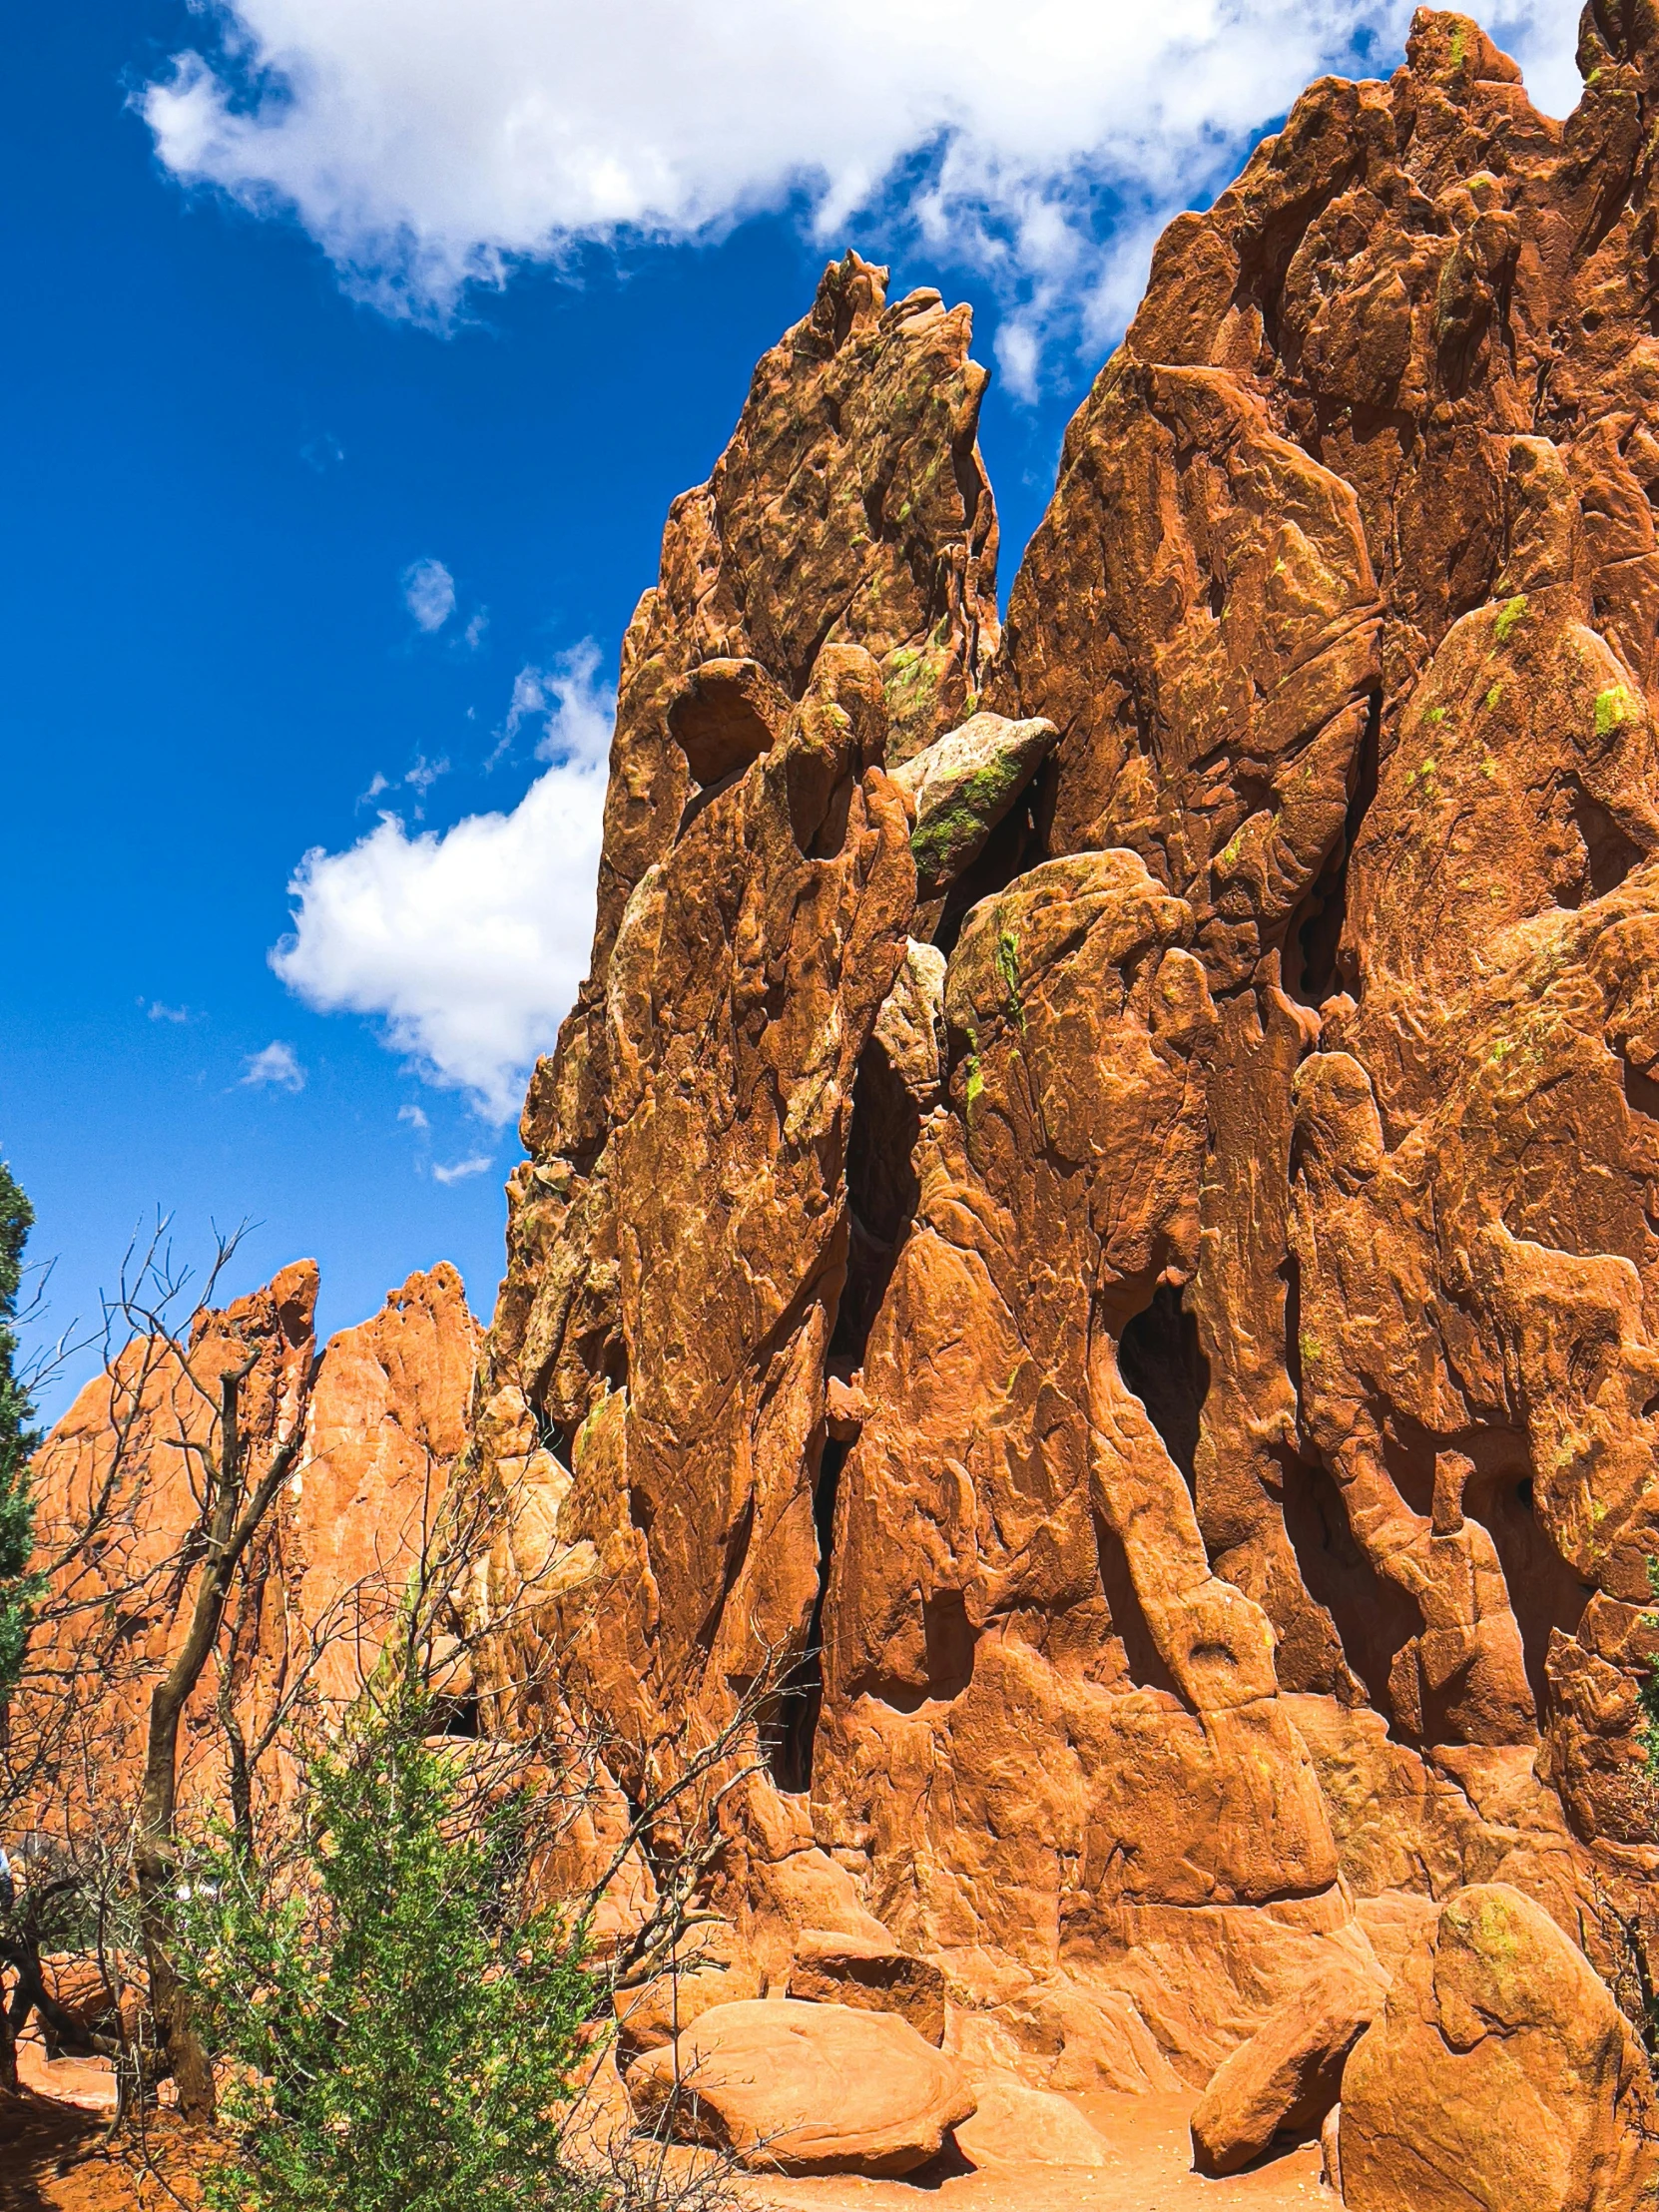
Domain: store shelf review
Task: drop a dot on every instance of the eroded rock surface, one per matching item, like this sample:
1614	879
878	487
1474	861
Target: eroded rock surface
1100	1198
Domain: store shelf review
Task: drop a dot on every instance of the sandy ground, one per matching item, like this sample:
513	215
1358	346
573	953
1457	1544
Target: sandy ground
51	2160
1148	2170
52	2154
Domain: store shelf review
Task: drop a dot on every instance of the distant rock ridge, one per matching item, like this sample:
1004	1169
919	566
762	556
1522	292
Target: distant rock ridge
1100	1202
383	1411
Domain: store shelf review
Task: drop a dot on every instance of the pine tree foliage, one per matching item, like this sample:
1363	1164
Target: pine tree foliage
18	1439
403	2022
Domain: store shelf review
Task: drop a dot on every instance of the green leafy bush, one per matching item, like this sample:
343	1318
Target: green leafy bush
403	2022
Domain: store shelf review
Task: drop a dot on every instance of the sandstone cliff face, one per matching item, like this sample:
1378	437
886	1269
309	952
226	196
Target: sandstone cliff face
1152	1277
382	1409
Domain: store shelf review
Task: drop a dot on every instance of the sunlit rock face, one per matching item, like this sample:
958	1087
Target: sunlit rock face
1101	1198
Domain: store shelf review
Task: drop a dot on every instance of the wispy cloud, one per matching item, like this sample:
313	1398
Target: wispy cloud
469	944
319	454
275	1067
414	1115
426	774
574	709
429	594
156	1011
418	778
459	1171
1034	149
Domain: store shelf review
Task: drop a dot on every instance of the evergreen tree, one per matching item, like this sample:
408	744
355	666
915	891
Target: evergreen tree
18	1438
404	2020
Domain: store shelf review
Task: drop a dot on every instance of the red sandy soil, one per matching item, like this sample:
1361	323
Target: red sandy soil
52	2149
1150	2171
51	2157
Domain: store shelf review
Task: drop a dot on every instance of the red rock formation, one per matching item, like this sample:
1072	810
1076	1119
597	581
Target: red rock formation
1095	1224
383	1411
1163	1298
681	1246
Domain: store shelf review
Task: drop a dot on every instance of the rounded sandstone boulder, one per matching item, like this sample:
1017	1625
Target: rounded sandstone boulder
804	2089
1020	2126
1287	2075
1501	2078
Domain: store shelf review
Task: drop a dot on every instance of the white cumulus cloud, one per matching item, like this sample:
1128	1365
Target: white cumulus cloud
275	1067
459	1170
468	943
429	593
426	144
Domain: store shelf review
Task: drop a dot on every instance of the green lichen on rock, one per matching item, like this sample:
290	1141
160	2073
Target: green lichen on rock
1615	708
973	1082
941	841
1509	616
1007	966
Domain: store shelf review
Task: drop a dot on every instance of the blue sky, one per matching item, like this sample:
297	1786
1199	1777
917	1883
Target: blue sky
331	439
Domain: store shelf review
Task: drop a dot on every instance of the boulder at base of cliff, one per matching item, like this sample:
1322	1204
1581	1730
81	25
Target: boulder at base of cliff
1288	2075
1017	2127
870	1973
1501	2078
805	2089
708	1969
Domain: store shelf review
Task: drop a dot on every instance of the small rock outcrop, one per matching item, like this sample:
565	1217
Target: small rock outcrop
963	785
868	1971
1288	2076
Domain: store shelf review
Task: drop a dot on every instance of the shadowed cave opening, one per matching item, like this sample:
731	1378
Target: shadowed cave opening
456	1716
1374	1618
1546	1592
1313	969
1641	1092
1160	1360
949	1644
1012	847
1542	1590
788	1738
1610	854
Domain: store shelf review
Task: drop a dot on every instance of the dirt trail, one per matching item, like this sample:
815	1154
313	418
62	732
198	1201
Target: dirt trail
51	2161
